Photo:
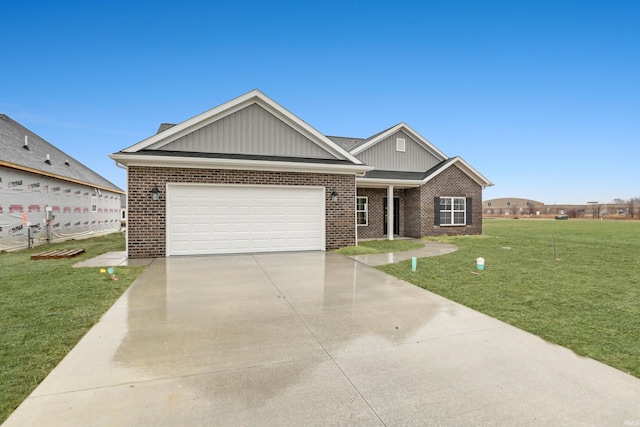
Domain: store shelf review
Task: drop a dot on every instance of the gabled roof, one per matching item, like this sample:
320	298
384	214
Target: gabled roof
167	134
371	141
24	150
463	165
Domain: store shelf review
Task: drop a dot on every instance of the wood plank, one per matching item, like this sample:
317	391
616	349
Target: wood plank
58	253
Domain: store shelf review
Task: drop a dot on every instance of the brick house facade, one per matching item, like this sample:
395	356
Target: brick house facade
417	221
251	155
147	221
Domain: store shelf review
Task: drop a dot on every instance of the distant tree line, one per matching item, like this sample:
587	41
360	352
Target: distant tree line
631	204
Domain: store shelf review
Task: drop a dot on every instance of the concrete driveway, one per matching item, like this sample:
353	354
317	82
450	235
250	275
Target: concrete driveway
314	339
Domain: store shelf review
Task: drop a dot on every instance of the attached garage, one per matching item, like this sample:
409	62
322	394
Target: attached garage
219	219
247	176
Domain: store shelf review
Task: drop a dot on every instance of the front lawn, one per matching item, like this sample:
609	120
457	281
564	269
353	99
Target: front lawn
47	306
380	247
587	299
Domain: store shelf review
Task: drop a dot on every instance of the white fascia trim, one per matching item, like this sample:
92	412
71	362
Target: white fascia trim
384	183
232	106
466	167
212	163
401	126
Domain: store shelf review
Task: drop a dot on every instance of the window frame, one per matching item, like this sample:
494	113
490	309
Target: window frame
452	211
94	204
365	211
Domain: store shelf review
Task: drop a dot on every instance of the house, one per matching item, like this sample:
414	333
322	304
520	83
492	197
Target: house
250	176
47	195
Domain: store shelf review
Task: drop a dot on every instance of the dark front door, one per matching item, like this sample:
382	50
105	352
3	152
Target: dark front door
396	215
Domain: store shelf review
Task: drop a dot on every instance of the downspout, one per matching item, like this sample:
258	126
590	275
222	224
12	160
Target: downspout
390	213
126	230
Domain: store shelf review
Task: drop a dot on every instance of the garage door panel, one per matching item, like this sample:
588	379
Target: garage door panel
203	219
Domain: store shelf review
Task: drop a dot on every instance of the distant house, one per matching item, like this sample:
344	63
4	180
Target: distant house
512	206
123	210
250	176
48	194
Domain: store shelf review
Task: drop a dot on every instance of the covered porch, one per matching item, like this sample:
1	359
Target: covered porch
375	219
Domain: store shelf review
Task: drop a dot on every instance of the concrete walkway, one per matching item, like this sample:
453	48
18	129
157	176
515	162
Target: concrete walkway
112	259
429	249
314	338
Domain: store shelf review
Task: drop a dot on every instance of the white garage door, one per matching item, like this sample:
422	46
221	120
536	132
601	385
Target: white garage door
217	219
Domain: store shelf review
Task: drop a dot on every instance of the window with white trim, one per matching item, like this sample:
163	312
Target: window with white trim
401	144
362	211
94	204
453	211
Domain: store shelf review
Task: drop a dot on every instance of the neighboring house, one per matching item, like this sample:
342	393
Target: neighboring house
518	206
123	210
47	194
250	176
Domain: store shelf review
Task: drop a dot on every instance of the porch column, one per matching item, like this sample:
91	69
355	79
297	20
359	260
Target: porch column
390	229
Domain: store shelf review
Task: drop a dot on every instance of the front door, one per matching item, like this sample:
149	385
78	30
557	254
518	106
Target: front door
396	215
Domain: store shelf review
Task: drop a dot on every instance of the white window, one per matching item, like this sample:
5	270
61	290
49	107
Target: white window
94	204
453	211
362	211
400	144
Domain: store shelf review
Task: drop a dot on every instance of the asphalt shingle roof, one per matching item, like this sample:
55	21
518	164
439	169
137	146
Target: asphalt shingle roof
403	175
13	151
380	174
352	143
345	142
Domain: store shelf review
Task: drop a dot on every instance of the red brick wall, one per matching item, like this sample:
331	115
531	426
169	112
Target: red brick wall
375	197
146	220
413	214
454	183
416	207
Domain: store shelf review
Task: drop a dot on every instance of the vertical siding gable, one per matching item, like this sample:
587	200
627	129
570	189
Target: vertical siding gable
251	130
384	156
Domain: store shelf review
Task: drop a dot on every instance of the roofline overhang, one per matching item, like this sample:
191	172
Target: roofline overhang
240	164
466	168
60	177
364	182
384	183
253	97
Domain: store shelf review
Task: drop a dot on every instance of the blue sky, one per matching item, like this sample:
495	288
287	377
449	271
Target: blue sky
541	97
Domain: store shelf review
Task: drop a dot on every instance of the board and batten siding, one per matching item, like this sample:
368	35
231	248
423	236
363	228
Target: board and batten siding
252	130
383	155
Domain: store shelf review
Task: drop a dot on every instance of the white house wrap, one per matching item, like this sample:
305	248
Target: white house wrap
77	210
36	177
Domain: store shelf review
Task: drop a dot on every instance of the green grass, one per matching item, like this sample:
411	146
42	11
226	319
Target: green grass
380	247
588	300
47	306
